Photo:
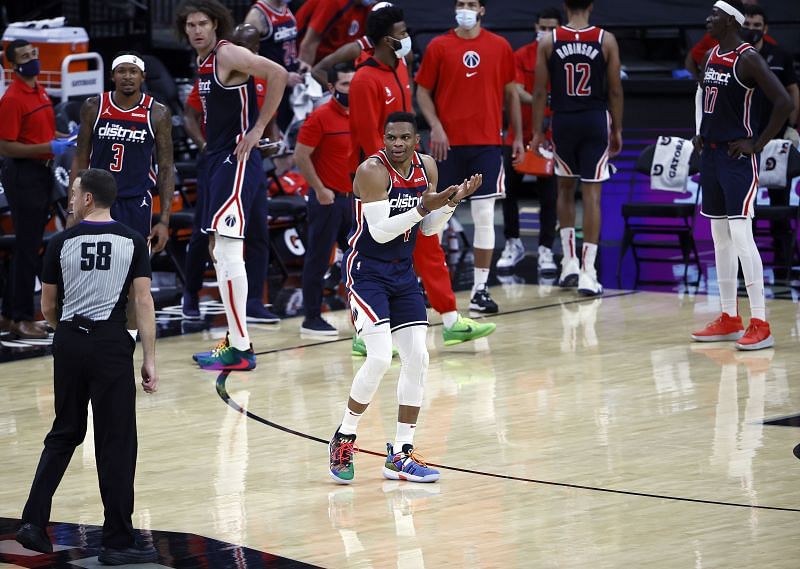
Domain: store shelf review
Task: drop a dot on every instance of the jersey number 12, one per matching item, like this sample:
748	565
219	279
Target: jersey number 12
581	88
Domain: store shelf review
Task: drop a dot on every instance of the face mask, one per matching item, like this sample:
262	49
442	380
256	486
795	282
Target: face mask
29	68
541	35
466	19
405	47
752	36
341	98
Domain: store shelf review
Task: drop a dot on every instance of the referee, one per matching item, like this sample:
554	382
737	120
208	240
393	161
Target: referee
88	271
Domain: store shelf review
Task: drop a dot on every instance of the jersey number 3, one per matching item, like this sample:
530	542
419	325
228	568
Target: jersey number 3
96	256
119	151
581	88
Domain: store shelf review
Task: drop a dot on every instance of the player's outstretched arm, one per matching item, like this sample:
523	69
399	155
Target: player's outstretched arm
348	52
615	94
543	52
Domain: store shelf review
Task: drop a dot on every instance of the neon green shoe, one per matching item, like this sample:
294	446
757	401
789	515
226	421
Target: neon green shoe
359	348
466	329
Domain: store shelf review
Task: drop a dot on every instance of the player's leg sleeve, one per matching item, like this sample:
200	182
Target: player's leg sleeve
483	218
410	342
378	340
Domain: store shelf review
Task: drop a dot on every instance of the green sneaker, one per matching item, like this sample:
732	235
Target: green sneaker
466	329
341	449
229	358
359	348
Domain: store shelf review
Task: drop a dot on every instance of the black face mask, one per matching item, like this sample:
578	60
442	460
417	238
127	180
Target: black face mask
341	98
752	36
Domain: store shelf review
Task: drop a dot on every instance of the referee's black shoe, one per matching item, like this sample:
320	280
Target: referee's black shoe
34	538
139	553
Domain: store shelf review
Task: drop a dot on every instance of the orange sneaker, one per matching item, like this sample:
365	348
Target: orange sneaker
722	329
757	336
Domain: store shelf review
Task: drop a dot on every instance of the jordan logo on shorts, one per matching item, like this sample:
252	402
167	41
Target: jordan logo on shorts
228	159
144	202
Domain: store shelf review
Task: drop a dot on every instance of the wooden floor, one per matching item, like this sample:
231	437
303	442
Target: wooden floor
583	433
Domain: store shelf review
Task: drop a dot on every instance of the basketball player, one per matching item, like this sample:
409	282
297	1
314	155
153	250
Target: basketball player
465	76
729	168
234	126
578	61
394	189
120	131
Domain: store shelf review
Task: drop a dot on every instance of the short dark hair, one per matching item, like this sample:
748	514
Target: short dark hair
12	47
218	14
578	4
345	67
481	2
551	13
380	22
755	10
101	184
400	116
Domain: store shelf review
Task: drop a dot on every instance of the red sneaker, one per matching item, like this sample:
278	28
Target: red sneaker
757	336
722	329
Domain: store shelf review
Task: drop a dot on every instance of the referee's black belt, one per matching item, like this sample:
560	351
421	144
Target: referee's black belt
86	325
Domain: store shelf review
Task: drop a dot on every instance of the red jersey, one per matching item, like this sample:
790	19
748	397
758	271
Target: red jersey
376	91
525	60
28	115
467	78
707	43
327	131
337	21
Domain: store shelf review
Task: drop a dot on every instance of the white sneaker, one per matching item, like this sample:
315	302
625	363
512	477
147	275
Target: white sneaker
513	253
588	285
547	266
569	272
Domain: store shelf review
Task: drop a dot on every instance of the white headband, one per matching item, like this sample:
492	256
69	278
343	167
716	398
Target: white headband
730	10
128	59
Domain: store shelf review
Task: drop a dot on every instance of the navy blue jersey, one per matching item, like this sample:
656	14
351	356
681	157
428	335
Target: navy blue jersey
279	41
577	70
123	142
405	193
728	110
229	111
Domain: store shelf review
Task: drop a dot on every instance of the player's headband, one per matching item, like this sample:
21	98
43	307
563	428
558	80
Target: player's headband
730	10
128	59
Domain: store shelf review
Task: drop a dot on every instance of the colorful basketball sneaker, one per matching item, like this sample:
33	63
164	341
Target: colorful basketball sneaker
341	450
466	329
406	465
223	343
757	336
229	358
722	329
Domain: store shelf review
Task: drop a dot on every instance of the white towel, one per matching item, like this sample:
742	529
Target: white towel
774	162
304	97
670	168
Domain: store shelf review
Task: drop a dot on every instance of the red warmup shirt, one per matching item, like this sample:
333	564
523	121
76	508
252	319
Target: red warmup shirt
27	115
525	60
707	43
338	22
376	91
194	101
327	131
467	78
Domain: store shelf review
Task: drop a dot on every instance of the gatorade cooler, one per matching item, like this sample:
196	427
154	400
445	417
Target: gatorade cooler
55	42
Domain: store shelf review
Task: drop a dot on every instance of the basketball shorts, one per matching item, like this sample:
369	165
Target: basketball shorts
135	212
382	291
581	145
730	184
464	161
230	190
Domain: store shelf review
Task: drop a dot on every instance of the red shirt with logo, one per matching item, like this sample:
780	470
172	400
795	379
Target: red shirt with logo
338	22
467	78
327	131
27	115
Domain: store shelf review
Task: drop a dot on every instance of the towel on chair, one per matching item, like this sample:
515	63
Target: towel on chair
774	163
670	168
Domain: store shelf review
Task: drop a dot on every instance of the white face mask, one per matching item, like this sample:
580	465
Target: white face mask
405	47
466	19
541	35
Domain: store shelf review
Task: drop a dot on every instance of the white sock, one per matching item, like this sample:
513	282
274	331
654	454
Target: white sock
134	334
349	422
236	310
568	242
588	257
752	268
449	319
481	276
727	265
404	435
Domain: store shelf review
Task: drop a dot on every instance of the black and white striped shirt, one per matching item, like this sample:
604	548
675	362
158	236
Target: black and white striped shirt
94	264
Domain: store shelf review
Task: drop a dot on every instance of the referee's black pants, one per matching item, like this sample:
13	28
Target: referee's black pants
27	184
96	367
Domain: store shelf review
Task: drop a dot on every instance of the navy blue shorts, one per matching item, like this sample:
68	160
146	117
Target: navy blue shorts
730	184
381	291
581	145
230	189
464	161
136	213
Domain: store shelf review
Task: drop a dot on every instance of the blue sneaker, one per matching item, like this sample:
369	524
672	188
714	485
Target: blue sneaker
407	465
257	313
223	343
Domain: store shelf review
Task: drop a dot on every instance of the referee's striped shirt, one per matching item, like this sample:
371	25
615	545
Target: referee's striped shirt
94	263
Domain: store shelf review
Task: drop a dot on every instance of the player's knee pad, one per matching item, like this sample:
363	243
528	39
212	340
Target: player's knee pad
414	360
483	218
378	340
229	256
